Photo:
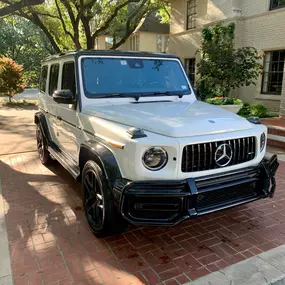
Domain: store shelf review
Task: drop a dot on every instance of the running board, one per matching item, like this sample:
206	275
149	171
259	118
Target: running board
65	162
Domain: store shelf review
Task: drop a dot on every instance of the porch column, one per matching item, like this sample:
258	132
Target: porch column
282	102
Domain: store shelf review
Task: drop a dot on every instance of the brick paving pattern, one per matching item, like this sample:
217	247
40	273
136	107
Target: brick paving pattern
50	241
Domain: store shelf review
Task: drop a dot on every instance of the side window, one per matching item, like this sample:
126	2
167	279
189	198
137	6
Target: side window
43	79
53	78
68	77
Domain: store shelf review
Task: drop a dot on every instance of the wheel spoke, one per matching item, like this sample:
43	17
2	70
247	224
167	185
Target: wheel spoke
91	207
88	185
94	202
99	197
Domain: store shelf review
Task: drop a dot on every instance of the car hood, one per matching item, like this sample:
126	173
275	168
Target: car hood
173	119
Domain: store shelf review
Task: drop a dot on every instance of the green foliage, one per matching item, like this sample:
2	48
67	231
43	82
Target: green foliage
25	43
223	101
224	68
164	13
257	110
11	78
70	24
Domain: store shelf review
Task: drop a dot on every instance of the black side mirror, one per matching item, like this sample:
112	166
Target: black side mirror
63	96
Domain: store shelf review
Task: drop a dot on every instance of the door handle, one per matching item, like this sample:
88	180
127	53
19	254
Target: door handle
59	118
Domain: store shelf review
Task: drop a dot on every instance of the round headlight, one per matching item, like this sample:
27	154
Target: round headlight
262	141
155	158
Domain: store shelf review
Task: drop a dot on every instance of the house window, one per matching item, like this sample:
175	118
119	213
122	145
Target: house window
191	14
134	43
166	43
158	43
190	68
276	4
108	42
273	72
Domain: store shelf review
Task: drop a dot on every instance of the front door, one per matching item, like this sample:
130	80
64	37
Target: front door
67	119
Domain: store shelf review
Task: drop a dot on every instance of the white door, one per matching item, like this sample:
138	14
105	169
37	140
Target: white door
67	113
48	83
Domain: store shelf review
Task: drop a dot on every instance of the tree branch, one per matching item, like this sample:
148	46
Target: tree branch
74	22
63	22
34	18
130	29
111	18
18	6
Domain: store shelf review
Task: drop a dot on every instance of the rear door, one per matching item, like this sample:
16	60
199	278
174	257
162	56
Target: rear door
48	82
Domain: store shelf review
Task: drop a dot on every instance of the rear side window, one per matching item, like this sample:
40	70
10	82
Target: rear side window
43	79
53	78
68	77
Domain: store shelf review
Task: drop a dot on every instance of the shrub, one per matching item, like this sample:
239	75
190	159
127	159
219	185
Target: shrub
257	110
11	77
223	101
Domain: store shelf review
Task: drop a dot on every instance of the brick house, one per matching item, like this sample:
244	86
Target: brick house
259	23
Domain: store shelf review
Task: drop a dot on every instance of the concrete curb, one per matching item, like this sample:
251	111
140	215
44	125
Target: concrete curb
5	261
267	268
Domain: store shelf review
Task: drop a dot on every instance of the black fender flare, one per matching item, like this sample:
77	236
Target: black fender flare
99	153
40	120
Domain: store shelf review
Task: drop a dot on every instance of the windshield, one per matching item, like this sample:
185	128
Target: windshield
106	76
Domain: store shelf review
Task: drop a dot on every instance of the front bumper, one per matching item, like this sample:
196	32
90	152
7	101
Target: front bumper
171	202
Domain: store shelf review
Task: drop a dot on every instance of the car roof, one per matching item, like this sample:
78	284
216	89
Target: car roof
107	53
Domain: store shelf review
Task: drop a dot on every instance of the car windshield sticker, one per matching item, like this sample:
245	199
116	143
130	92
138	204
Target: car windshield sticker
183	87
123	62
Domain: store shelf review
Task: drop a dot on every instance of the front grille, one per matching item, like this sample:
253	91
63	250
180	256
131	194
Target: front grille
212	199
199	157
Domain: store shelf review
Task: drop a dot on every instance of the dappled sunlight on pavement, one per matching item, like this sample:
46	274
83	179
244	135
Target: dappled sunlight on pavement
50	241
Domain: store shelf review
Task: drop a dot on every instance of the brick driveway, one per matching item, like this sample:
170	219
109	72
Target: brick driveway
50	242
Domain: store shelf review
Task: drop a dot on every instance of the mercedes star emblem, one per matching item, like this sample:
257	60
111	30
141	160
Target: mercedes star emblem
223	155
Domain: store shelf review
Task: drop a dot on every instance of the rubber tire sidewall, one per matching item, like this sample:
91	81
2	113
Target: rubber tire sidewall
46	159
112	222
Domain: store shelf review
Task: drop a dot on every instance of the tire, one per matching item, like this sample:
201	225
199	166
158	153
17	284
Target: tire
42	147
100	211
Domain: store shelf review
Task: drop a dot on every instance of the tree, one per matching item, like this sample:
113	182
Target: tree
75	24
9	7
224	68
26	44
11	78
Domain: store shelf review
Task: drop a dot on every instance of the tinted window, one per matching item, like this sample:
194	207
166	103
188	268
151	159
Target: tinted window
68	77
43	79
53	78
123	75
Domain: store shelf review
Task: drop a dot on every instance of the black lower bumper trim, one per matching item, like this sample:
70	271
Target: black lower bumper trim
170	202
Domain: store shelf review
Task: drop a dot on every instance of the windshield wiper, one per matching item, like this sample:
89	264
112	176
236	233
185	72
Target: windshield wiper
166	93
121	95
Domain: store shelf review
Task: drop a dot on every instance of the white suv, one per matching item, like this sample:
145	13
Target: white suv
129	126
